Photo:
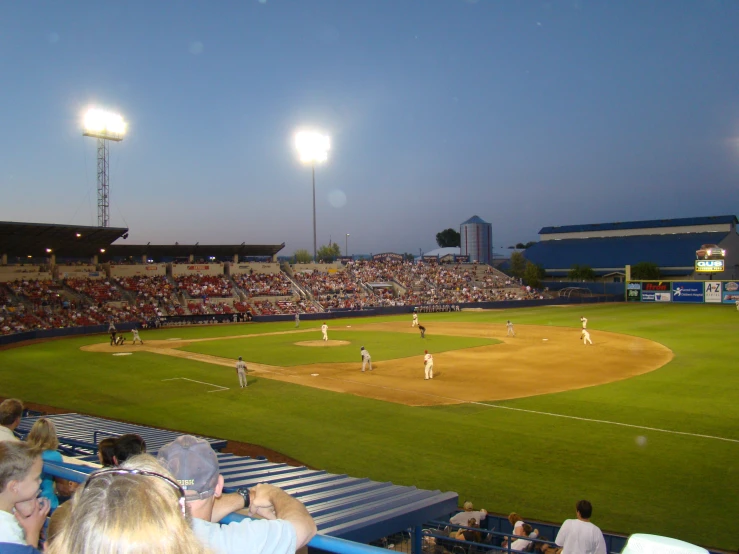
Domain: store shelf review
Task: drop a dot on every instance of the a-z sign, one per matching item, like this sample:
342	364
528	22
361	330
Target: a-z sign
709	266
712	292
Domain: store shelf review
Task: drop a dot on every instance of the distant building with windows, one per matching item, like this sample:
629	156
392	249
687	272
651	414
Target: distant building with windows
608	248
476	240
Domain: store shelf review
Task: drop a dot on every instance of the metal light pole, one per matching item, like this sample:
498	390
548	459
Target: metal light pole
103	126
346	246
312	148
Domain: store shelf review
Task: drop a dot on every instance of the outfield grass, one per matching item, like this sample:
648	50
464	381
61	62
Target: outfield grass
506	456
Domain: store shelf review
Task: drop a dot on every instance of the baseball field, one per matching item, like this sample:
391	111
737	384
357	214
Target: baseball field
644	423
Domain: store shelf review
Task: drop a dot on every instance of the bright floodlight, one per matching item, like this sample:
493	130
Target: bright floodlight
104	125
312	147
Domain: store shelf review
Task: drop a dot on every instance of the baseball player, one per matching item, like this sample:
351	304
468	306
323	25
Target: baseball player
423	331
297	320
428	365
511	332
586	337
366	359
737	304
324	330
415	319
136	336
112	331
584	326
241	372
120	340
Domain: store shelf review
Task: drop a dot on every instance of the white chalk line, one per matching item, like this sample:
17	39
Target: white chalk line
219	388
589	420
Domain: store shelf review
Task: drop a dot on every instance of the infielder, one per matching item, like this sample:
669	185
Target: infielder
415	319
586	337
584	326
297	320
428	365
366	359
423	331
737	304
241	372
136	336
511	332
324	330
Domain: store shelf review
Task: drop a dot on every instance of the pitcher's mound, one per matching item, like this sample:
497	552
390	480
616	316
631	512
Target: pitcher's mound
322	343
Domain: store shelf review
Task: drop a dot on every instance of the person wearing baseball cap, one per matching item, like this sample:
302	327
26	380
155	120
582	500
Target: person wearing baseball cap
286	526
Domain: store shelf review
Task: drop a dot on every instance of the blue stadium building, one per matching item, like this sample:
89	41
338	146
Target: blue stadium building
609	247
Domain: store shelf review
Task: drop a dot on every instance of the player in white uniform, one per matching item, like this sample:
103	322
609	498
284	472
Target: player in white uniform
509	326
586	337
415	319
737	304
297	320
584	321
428	365
241	372
324	330
136	336
366	359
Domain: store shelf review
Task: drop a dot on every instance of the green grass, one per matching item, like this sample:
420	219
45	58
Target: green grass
680	485
281	349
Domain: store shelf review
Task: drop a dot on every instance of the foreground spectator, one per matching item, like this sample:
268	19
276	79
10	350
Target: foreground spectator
286	526
20	472
125	511
106	452
579	536
11	411
42	439
469	512
126	446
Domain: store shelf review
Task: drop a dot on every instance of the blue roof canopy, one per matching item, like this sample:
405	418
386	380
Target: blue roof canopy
649	224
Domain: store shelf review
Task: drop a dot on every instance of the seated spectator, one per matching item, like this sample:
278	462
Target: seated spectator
462	517
42	439
126	446
20	473
106	452
469	535
287	524
11	411
579	536
126	511
523	544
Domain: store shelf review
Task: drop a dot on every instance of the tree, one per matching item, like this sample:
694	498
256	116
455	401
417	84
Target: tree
529	244
302	256
328	253
520	245
581	273
518	264
646	271
533	274
408	257
448	237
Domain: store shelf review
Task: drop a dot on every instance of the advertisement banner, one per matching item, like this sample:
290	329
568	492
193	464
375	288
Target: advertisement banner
388	257
462	259
731	292
197	267
430	259
709	266
652	296
633	292
712	292
687	291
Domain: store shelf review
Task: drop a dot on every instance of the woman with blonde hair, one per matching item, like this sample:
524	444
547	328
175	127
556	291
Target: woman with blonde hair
127	511
43	440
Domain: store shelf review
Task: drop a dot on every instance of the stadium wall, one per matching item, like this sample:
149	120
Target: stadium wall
683	292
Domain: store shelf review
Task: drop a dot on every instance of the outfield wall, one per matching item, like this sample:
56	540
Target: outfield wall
683	292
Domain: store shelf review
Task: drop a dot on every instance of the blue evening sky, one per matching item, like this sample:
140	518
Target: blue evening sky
525	113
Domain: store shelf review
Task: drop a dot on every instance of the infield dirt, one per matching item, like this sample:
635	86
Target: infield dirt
538	360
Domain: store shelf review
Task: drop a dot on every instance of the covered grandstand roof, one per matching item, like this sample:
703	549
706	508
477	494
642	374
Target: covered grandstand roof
648	224
674	250
32	239
184	250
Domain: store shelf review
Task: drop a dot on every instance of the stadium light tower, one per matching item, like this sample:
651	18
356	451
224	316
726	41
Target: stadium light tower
313	148
103	126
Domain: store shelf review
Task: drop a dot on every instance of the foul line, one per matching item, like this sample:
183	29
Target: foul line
459	400
219	388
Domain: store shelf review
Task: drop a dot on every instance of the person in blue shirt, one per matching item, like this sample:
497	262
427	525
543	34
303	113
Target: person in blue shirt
42	439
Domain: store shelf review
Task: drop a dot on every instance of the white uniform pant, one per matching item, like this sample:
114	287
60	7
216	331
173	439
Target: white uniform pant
365	362
325	335
415	322
242	379
511	333
586	340
429	369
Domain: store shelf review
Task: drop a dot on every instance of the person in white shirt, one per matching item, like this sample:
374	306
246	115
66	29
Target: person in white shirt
11	411
297	320
428	366
415	319
366	359
509	326
579	536
324	330
241	372
463	517
586	337
584	322
136	336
